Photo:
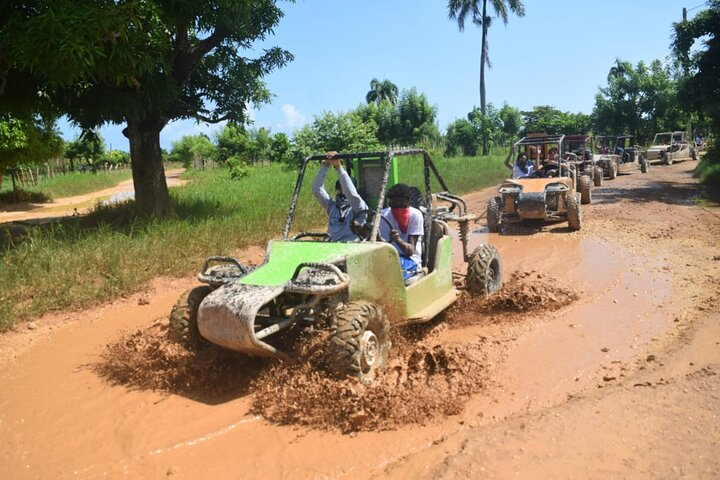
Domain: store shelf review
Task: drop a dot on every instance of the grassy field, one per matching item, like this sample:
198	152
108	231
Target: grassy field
71	184
86	261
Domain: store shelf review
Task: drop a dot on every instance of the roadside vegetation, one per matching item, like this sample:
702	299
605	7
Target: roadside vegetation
86	261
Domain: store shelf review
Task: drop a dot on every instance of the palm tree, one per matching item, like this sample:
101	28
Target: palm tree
461	10
379	91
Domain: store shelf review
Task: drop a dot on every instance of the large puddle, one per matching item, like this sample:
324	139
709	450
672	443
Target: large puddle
593	308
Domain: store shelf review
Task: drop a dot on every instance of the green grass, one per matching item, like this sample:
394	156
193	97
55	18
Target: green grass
90	260
72	183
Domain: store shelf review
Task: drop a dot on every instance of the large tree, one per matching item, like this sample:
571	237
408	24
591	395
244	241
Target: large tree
697	44
639	100
476	11
141	63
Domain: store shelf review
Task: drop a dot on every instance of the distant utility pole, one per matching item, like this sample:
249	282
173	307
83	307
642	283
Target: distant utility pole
684	14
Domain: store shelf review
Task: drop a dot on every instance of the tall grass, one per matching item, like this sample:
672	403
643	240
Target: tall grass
72	183
86	261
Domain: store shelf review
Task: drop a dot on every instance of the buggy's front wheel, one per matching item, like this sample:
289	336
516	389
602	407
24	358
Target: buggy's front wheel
183	317
360	341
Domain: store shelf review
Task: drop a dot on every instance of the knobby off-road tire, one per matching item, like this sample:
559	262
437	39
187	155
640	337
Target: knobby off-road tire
584	187
183	317
612	170
574	213
644	165
598	176
693	153
494	220
484	271
666	158
360	341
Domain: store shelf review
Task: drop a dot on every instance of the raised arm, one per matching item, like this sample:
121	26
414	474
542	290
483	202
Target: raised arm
318	188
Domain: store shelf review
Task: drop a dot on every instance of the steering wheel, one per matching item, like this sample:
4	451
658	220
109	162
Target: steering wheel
364	232
324	236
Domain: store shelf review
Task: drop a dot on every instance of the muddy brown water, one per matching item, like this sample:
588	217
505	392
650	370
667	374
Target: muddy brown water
60	419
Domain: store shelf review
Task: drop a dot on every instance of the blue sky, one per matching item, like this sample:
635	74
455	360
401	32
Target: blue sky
558	54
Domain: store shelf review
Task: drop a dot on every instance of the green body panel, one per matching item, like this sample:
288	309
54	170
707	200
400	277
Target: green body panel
422	294
284	256
376	277
374	271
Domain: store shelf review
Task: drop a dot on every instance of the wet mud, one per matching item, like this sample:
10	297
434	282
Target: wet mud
426	377
596	359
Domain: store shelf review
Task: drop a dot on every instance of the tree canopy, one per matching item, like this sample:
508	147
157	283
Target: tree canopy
139	63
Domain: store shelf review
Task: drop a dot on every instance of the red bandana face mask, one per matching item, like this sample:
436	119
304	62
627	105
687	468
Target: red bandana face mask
402	217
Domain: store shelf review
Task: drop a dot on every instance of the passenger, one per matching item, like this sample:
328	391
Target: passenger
407	229
549	167
522	168
347	200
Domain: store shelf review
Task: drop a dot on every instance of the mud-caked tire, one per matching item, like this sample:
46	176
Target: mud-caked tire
585	189
183	317
360	341
494	218
693	153
598	177
574	212
644	165
612	170
666	158
484	271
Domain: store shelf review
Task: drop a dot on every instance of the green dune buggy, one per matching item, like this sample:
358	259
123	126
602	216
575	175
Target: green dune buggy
354	289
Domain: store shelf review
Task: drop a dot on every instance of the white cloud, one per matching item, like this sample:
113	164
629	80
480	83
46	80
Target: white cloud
292	118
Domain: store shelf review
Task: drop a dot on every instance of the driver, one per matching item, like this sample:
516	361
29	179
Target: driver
347	200
549	167
407	229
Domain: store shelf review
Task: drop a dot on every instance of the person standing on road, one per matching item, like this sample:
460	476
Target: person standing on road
347	200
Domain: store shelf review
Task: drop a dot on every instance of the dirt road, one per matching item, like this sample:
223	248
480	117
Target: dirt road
67	206
613	375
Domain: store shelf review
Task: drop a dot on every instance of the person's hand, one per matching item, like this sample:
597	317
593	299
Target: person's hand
394	235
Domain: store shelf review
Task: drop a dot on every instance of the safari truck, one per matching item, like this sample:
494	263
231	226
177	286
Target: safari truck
548	198
354	289
669	147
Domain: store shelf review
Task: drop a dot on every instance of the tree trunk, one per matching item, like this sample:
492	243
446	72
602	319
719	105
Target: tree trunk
483	60
151	192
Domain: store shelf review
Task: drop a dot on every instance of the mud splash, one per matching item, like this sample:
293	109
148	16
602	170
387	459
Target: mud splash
525	292
425	378
149	359
423	381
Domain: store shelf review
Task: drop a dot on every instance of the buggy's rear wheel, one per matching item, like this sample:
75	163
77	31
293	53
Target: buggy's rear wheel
574	214
494	219
183	317
584	189
644	165
598	177
360	341
484	271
